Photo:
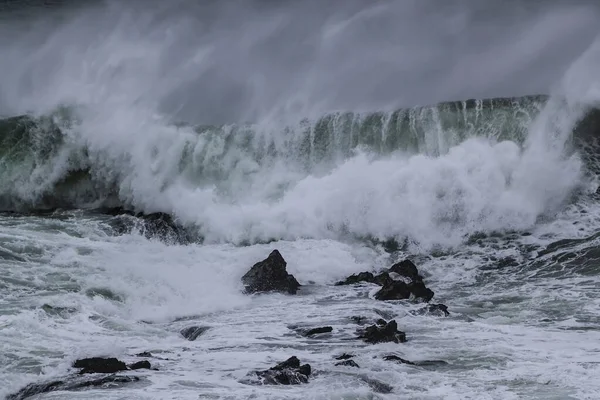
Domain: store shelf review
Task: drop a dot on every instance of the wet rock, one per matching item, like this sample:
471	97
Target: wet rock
140	365
407	269
316	331
393	357
438	309
368	277
420	291
191	333
289	372
345	356
430	363
71	384
63	312
163	226
347	363
395	290
155	225
399	282
270	275
144	354
410	284
99	365
377	386
383	332
359	319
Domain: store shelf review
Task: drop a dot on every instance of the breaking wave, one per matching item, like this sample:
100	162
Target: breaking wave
428	174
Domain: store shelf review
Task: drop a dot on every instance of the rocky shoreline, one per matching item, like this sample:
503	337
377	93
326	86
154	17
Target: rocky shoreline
401	282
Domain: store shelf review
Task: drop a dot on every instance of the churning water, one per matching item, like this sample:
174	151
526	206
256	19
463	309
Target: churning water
341	135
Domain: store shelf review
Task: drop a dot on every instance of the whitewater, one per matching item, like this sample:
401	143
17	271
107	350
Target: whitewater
152	152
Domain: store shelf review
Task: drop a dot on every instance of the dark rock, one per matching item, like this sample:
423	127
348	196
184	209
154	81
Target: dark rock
316	331
144	354
397	359
71	384
399	290
430	363
377	386
420	291
407	269
99	365
191	333
358	319
289	372
347	363
395	290
383	332
368	277
140	365
345	356
439	309
63	312
270	275
163	226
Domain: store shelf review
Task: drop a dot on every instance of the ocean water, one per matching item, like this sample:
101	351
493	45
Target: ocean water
344	135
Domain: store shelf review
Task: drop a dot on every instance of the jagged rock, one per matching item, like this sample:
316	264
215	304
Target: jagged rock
191	333
71	384
270	275
395	290
407	269
345	356
144	354
383	332
289	372
401	360
316	331
409	282
140	365
368	277
420	291
347	363
99	365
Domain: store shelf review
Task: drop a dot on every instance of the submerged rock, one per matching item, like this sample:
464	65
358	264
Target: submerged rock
191	333
289	372
99	365
71	384
393	357
145	364
270	275
345	356
437	309
347	363
377	386
383	332
316	331
358	319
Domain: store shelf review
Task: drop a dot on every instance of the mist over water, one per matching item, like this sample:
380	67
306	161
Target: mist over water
224	62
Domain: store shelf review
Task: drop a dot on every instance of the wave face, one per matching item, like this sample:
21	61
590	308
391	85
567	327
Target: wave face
428	174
